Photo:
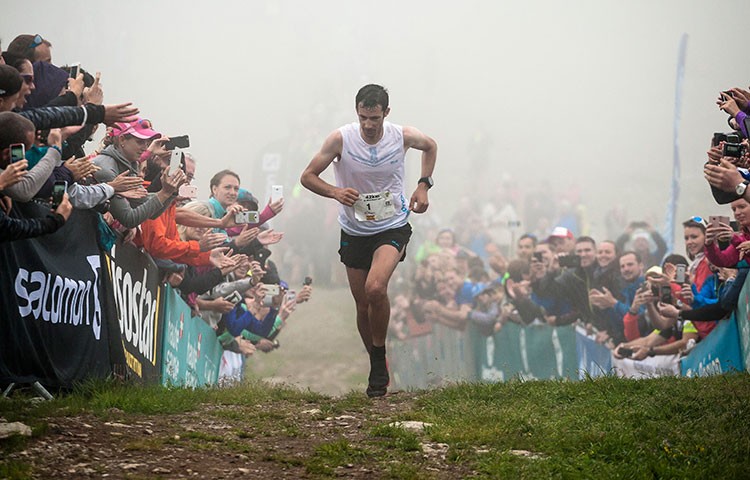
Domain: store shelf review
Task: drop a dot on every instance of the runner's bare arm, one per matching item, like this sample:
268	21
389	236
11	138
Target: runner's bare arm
310	177
413	138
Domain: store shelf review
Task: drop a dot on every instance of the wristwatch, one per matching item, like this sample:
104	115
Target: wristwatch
740	189
426	180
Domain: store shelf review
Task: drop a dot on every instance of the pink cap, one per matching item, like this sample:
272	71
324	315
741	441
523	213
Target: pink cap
139	128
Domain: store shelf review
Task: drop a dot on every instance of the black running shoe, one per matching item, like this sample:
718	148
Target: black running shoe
379	379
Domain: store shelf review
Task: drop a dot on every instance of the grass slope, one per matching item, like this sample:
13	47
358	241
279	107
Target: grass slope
602	428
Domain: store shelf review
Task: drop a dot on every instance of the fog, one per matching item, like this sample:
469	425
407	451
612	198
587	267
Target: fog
563	93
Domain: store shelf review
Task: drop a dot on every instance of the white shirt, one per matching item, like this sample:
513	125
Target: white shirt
370	169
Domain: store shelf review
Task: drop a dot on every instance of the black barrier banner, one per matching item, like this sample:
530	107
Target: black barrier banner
138	298
51	325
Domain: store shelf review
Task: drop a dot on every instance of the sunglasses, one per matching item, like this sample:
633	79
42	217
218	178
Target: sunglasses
28	78
38	40
699	220
143	123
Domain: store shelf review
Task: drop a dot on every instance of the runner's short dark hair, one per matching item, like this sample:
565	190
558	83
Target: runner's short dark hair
371	96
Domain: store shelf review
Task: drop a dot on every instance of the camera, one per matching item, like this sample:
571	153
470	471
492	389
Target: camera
247	217
307	281
538	256
626	352
570	261
723	137
732	146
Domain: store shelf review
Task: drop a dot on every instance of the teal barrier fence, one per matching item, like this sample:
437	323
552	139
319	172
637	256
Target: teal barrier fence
192	354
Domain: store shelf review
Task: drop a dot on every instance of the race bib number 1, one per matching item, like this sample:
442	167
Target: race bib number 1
374	206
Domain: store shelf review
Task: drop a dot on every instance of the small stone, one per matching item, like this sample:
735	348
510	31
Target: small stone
243	471
161	470
312	411
14	428
148	431
411	425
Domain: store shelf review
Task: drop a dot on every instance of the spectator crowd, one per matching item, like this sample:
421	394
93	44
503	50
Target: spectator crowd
629	292
214	252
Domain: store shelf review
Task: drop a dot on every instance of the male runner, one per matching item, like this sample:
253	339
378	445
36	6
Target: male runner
368	161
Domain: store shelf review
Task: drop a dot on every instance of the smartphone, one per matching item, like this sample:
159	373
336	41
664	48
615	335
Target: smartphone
665	294
246	217
272	289
188	191
290	296
735	226
182	141
626	352
58	192
715	220
307	281
234	297
679	276
17	152
277	193
569	261
75	69
538	256
261	256
175	161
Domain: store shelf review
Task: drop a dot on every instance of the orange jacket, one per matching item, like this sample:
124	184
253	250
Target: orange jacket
160	239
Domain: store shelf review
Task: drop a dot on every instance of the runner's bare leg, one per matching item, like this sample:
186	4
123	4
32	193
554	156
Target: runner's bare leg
357	279
384	262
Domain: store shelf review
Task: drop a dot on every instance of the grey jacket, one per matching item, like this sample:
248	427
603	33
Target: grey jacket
130	213
35	178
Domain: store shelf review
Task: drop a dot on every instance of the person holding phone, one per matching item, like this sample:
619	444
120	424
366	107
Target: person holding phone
18	137
737	244
129	142
368	158
12	229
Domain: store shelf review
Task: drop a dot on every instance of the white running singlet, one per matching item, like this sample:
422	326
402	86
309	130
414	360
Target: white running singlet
372	169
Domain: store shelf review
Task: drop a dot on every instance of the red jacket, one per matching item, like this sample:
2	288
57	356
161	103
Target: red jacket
160	239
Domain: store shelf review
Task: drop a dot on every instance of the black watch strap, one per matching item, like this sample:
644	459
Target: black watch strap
427	181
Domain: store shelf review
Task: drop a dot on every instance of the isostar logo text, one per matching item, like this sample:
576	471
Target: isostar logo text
136	307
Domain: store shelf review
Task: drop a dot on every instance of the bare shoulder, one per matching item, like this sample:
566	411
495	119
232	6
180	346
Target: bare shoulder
414	138
333	143
331	149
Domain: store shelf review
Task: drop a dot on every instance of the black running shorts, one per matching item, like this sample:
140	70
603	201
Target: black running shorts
357	252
